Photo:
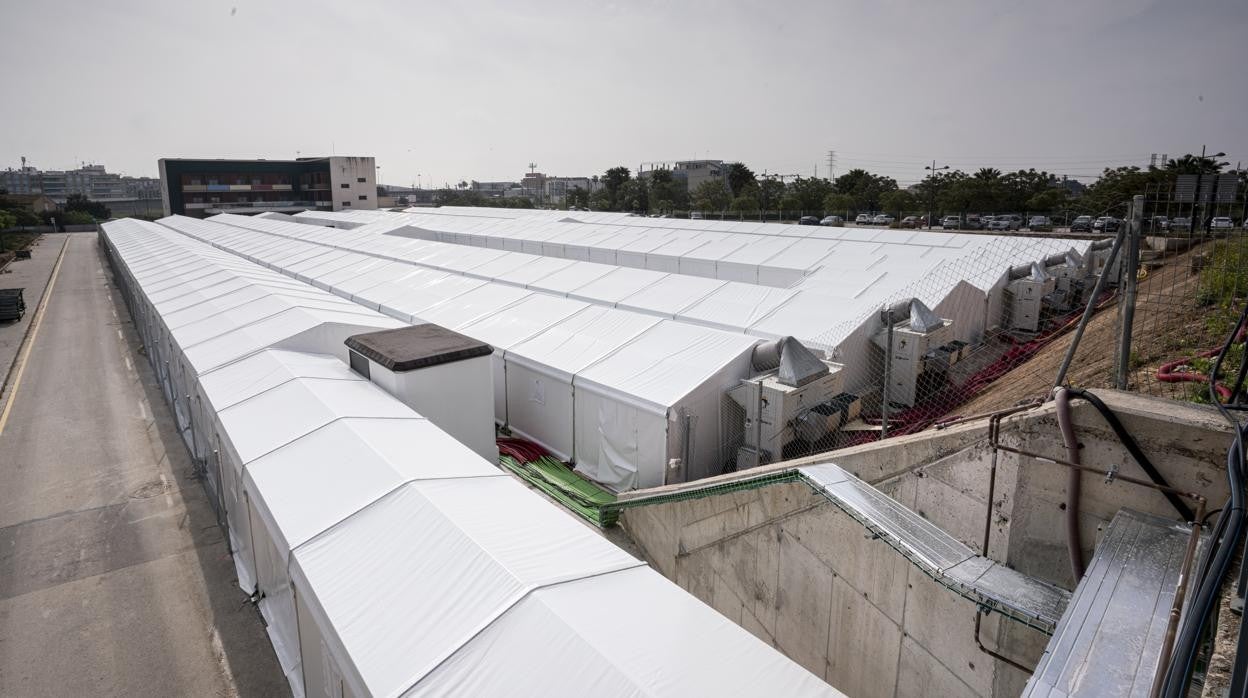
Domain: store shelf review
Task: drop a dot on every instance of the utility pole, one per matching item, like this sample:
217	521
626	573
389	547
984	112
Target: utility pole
931	194
831	165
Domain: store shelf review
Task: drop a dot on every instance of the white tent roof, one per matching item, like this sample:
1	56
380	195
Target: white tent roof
573	641
447	557
582	339
666	362
302	486
232	384
525	319
304	406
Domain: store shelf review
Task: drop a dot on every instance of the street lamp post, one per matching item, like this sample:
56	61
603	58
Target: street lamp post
931	194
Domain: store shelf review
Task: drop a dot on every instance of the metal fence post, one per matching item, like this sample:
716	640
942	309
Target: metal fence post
1130	268
887	314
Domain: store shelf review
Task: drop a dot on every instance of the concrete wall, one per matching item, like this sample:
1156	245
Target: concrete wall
805	577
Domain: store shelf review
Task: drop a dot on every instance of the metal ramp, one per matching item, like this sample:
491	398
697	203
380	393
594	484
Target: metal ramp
986	582
1109	639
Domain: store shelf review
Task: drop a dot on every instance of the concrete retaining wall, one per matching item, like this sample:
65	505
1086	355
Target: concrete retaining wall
808	579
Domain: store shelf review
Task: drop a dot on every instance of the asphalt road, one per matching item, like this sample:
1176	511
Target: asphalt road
114	579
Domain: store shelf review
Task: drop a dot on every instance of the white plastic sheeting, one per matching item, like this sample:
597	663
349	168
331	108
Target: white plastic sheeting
675	376
391	560
608	437
848	273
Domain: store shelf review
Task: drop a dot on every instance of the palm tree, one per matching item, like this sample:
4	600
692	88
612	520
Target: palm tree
1194	164
988	174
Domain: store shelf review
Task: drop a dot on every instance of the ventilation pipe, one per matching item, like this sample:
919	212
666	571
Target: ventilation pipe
797	365
1074	484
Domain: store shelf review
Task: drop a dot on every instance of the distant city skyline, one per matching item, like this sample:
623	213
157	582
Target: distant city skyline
451	93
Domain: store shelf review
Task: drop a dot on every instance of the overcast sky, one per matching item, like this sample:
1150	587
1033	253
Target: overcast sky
478	90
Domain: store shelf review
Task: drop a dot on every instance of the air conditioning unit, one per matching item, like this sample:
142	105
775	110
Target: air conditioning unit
1098	255
918	344
1069	271
793	397
1027	298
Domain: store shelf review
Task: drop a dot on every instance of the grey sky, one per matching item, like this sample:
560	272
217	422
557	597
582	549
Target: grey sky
478	90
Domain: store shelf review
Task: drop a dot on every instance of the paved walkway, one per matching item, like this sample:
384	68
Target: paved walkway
31	274
114	580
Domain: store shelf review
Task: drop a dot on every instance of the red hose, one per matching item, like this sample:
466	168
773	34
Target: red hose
1167	374
522	450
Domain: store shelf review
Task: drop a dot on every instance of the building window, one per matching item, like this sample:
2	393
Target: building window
361	180
363	197
346	203
344	185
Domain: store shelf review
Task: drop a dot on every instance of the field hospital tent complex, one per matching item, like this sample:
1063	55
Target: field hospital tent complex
387	558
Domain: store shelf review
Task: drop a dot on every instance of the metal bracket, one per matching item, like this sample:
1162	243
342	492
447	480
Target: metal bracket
1111	473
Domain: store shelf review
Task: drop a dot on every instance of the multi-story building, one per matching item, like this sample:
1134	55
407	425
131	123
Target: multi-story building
91	181
26	180
203	187
692	172
492	189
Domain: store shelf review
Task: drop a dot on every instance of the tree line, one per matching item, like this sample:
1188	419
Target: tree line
987	190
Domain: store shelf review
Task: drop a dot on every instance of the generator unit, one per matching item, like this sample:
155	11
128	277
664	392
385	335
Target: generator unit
1069	272
920	343
794	396
1028	294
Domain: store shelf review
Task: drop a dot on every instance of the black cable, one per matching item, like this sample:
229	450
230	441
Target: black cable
1205	521
1217	561
1134	449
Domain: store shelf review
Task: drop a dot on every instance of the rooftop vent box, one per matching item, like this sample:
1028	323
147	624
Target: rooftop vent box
441	374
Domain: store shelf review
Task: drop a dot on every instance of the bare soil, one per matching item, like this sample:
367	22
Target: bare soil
1169	324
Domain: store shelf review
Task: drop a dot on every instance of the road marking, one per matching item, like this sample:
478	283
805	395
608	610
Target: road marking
129	365
120	335
30	340
142	410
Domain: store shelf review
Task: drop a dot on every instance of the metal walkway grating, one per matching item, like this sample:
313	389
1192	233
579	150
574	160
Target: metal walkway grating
1109	639
988	583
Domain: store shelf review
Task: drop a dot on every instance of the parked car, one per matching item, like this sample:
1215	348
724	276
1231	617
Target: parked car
1013	220
1039	223
832	220
883	219
1082	224
863	219
1184	224
910	222
951	222
1155	224
808	220
1222	223
1106	224
997	223
695	215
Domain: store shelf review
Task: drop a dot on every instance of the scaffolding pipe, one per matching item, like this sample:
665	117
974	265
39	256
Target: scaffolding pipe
1131	272
1087	313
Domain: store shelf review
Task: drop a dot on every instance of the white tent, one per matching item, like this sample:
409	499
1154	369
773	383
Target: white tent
540	371
389	558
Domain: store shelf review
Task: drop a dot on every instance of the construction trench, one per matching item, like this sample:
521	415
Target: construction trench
868	565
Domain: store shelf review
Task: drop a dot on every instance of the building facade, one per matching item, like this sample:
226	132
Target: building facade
692	172
91	181
203	187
